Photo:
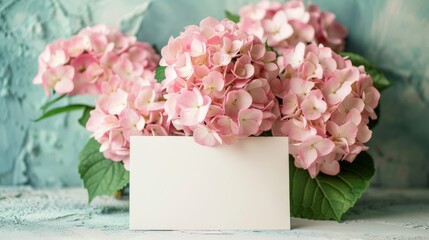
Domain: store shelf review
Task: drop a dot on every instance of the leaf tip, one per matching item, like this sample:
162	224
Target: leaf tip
231	16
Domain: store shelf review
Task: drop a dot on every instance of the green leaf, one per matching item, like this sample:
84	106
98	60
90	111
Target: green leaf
160	73
329	197
266	134
100	176
85	115
267	47
231	16
51	102
59	110
380	81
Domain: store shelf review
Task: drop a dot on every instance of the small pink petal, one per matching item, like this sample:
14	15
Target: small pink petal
349	131
194	107
61	78
324	147
364	134
297	130
257	52
183	66
126	164
226	125
191	116
235	101
290	104
64	86
221	59
117	102
294	57
214	82
307	157
243	69
205	136
300	87
335	91
347	75
198	48
330	168
146	96
249	121
312	108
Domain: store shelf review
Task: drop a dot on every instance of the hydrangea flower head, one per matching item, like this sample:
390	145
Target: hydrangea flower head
127	107
326	105
217	83
283	25
80	64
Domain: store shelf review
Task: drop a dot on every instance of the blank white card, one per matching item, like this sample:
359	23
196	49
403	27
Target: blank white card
177	184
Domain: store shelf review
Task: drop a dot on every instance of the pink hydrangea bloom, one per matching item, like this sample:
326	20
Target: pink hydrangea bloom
80	64
326	105
217	83
328	32
127	107
283	25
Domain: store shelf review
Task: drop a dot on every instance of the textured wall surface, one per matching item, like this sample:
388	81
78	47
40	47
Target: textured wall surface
392	33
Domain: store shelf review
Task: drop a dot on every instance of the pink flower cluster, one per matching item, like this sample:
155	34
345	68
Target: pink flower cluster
127	107
326	105
284	25
217	83
80	64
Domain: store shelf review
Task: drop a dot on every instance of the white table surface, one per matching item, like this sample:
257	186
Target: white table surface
64	214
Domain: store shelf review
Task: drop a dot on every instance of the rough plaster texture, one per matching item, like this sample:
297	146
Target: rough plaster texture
394	34
65	214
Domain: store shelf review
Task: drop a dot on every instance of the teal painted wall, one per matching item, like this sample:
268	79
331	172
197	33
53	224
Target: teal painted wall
392	33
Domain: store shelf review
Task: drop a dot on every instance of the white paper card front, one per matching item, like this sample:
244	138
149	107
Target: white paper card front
177	184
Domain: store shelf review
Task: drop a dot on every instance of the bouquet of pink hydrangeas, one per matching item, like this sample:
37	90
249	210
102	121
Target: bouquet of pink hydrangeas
274	70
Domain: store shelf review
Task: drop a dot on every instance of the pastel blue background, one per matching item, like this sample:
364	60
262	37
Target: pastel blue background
394	34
